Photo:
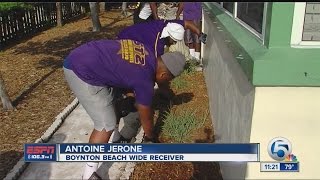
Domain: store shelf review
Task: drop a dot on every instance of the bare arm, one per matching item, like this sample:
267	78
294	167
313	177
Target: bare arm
146	119
190	25
154	10
180	9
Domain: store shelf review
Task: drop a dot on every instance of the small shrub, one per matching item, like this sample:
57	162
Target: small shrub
6	7
178	127
179	83
190	67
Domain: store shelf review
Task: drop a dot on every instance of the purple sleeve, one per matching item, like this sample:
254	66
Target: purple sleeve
144	93
124	33
160	47
130	32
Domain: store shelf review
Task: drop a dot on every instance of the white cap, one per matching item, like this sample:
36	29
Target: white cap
174	30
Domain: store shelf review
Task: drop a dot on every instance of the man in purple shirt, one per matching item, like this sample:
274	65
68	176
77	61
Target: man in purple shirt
158	33
94	71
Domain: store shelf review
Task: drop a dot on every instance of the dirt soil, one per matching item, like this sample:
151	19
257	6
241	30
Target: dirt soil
33	75
191	96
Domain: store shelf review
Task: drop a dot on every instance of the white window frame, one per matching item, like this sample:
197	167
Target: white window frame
261	37
297	28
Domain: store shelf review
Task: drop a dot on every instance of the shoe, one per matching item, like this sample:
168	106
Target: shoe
123	140
115	136
95	176
129	14
126	14
147	140
199	68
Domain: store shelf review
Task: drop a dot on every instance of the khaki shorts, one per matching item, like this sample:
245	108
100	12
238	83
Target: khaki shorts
96	100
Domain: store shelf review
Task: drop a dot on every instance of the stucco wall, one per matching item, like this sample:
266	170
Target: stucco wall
293	113
231	95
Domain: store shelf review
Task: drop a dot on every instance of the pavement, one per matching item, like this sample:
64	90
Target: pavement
76	129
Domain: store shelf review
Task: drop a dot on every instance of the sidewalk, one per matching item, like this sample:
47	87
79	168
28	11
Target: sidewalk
76	129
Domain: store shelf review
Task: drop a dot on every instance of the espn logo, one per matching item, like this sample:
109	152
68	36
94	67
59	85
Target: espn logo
40	149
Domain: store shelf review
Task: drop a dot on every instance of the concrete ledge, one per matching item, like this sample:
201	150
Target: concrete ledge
18	169
76	129
129	168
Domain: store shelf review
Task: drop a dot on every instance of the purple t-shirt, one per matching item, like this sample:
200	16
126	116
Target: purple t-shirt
149	34
192	11
116	63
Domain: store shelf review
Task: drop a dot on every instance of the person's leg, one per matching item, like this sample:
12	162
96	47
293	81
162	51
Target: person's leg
150	18
136	18
118	98
99	137
197	50
197	42
95	137
136	15
98	103
124	8
126	109
103	114
189	42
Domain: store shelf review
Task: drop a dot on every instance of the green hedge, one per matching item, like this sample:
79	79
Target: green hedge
13	6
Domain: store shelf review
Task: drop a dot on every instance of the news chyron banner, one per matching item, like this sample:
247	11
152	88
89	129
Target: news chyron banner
141	152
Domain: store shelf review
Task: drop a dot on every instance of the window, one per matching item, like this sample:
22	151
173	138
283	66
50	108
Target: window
250	15
311	26
306	25
228	6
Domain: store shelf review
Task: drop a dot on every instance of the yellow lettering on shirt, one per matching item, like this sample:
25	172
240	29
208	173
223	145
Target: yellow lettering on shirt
133	52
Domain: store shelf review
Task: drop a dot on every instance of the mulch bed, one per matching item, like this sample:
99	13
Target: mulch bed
191	96
34	80
33	75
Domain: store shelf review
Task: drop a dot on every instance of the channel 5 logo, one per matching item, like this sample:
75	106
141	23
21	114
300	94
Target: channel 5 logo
279	148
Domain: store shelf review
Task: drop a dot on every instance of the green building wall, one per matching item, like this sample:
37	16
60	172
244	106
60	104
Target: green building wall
240	70
274	63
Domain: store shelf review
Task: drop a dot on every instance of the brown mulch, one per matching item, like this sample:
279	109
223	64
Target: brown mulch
193	96
34	79
33	75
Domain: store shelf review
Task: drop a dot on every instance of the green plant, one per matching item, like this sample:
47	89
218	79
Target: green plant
190	67
178	127
13	6
179	83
